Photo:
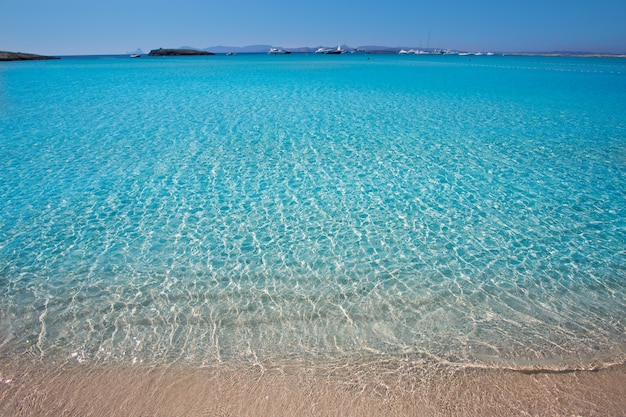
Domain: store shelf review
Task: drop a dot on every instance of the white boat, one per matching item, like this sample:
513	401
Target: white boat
276	51
330	51
135	55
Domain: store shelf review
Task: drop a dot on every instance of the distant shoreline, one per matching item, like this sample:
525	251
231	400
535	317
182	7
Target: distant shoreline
178	52
21	56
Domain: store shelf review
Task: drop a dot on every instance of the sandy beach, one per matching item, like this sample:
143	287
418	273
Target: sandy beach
375	389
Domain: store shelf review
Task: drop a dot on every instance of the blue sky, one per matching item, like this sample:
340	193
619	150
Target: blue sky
65	27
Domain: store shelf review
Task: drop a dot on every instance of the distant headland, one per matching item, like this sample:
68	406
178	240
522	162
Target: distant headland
178	52
21	56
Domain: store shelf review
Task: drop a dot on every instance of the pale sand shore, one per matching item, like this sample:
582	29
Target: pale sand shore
385	389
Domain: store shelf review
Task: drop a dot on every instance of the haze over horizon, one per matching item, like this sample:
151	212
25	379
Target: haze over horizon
70	27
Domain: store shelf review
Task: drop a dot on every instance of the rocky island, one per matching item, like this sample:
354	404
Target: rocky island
177	52
21	56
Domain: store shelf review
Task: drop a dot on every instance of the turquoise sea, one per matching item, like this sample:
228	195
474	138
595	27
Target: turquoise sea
266	209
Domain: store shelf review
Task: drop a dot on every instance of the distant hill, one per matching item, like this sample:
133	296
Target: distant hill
379	48
255	49
238	49
21	56
178	52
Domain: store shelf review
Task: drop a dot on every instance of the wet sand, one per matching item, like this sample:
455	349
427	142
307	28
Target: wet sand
382	389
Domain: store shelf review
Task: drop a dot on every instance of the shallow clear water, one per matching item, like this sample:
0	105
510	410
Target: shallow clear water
270	208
